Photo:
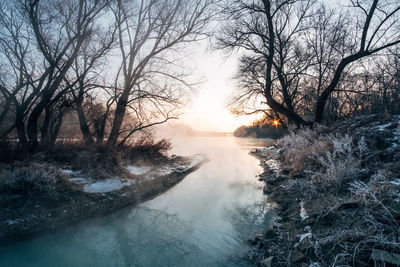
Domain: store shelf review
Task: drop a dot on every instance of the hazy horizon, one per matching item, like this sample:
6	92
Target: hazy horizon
208	109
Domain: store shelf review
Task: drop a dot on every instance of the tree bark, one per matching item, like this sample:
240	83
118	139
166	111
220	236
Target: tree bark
55	129
20	125
100	132
87	136
44	131
32	127
118	117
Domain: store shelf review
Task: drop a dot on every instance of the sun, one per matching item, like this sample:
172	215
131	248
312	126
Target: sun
276	122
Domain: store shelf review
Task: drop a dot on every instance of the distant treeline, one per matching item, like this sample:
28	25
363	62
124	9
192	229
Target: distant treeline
259	131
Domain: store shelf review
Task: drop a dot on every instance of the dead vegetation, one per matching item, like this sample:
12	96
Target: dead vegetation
326	158
22	170
23	177
349	186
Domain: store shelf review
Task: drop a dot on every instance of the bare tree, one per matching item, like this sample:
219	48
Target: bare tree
273	58
87	79
18	66
296	52
53	122
59	34
98	116
150	34
377	31
40	41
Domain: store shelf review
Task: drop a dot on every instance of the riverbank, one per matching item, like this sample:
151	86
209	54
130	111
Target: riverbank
336	192
38	196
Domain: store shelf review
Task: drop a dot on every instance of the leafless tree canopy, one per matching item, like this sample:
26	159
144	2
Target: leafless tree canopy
301	59
116	65
148	34
115	62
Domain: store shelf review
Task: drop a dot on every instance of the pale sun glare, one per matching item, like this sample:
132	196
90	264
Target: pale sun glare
208	109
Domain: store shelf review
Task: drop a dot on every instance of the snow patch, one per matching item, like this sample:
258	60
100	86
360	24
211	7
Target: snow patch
165	170
80	180
102	186
303	213
179	166
382	127
138	170
67	171
105	186
397	182
273	164
16	221
305	236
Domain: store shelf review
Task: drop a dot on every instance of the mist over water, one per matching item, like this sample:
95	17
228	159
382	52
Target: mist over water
203	221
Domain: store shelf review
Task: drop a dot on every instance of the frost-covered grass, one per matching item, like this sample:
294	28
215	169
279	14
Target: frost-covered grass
23	171
374	224
325	158
359	173
342	162
301	147
30	176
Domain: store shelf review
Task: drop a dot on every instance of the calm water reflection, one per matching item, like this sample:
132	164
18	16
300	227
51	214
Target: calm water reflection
203	221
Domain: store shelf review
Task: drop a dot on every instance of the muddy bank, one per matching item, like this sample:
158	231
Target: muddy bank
75	197
349	217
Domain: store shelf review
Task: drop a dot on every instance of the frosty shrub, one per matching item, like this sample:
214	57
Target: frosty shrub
380	197
342	162
300	148
30	177
326	157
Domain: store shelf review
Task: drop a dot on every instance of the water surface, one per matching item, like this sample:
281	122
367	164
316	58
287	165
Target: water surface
203	221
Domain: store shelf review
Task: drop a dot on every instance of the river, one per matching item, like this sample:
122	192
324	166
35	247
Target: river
202	221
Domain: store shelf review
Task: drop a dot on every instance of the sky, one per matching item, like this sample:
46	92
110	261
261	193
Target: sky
208	110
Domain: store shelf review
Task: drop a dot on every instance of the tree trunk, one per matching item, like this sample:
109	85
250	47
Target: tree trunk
32	128
44	131
100	131
20	125
55	129
118	118
271	102
323	98
87	136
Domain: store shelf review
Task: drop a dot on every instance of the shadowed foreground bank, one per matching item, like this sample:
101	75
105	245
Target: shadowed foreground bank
337	194
48	190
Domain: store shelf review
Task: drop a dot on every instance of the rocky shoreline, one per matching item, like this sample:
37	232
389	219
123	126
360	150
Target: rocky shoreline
27	216
288	227
353	222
